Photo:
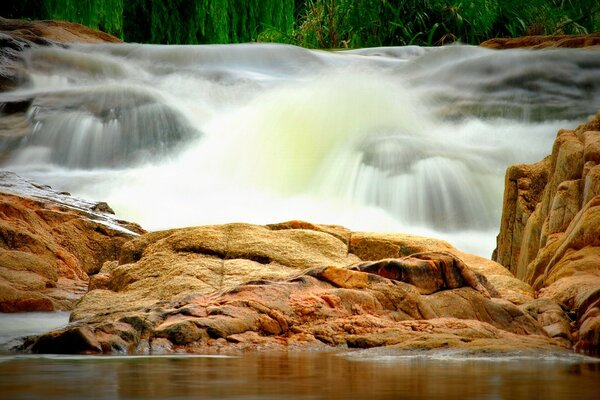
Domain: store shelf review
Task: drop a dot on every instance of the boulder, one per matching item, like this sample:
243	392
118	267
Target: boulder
16	36
542	42
550	229
49	244
240	287
41	32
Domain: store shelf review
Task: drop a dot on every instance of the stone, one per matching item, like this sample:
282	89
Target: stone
542	42
49	244
559	242
76	339
40	32
242	287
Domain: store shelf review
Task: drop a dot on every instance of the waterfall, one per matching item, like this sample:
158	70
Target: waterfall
404	139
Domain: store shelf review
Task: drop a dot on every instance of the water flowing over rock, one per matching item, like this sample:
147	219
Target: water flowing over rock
49	243
550	233
239	287
17	35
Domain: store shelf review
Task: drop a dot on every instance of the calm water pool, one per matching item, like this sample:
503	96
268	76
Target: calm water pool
319	375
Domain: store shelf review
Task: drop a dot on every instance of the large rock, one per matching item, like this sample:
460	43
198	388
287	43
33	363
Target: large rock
41	32
550	229
16	36
543	42
49	243
239	287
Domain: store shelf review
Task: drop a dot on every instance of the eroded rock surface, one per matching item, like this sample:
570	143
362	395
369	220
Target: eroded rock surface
49	244
550	232
238	287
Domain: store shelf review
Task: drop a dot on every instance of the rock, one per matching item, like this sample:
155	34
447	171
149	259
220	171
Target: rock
429	272
80	338
541	42
551	316
16	36
49	244
242	287
550	232
40	32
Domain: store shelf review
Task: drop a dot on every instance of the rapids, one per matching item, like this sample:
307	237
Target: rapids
405	139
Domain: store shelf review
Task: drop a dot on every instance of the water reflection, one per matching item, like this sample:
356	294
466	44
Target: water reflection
294	376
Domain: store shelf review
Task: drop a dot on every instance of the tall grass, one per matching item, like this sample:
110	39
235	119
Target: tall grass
318	23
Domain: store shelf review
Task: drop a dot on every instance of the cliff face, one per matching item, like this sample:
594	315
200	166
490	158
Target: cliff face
550	229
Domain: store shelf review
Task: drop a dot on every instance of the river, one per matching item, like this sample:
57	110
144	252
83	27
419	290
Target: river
406	139
318	375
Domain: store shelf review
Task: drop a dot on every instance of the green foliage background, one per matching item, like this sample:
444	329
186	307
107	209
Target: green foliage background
317	23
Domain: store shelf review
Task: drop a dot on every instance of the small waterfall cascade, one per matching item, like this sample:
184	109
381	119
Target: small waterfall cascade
401	139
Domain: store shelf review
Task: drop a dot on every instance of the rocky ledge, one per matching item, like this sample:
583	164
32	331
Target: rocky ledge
239	287
18	35
544	42
550	232
49	243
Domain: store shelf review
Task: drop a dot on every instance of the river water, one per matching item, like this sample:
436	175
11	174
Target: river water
318	375
406	139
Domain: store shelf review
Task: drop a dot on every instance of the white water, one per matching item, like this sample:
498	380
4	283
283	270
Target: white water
14	326
399	139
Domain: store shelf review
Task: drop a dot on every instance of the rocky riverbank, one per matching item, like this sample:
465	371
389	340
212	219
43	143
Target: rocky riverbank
50	243
550	232
239	287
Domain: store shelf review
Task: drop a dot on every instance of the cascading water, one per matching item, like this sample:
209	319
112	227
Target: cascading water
396	139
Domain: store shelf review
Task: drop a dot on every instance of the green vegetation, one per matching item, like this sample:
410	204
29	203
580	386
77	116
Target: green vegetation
318	23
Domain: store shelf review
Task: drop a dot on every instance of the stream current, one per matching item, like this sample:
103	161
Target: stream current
406	139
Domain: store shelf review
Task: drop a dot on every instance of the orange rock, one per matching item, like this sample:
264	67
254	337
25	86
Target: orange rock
239	287
556	247
48	248
58	31
540	42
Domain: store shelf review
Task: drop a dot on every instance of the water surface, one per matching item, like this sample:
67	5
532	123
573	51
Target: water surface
319	375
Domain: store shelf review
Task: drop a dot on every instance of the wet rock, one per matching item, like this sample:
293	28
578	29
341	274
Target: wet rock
17	36
79	339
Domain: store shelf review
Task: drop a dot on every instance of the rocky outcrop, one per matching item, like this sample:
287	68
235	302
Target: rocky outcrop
239	287
18	35
550	230
542	42
41	32
49	243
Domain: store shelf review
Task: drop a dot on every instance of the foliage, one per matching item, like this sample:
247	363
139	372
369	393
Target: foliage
317	23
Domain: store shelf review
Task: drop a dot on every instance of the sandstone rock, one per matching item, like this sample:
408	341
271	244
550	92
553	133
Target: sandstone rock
49	244
240	287
40	32
540	42
556	247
